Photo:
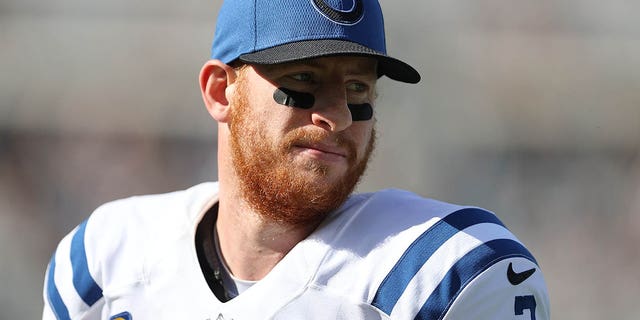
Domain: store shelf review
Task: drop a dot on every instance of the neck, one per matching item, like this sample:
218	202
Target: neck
251	245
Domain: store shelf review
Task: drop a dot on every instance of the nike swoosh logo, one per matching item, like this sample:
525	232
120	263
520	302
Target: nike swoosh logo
516	278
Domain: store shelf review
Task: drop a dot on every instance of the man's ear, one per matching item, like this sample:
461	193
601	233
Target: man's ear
215	77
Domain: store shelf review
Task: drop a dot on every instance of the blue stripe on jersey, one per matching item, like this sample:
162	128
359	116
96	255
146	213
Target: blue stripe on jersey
86	287
465	270
422	249
55	300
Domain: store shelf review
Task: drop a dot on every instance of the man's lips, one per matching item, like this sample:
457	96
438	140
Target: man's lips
323	151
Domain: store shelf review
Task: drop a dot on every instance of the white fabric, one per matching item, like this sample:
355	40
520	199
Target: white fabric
141	253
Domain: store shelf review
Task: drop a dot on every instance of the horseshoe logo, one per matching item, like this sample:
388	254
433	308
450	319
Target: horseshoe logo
348	17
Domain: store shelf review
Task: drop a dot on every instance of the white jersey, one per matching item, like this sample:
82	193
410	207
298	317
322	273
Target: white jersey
384	255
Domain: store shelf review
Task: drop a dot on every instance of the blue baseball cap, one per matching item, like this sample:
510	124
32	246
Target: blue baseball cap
278	31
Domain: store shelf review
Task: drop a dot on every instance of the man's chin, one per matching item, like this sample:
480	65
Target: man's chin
321	175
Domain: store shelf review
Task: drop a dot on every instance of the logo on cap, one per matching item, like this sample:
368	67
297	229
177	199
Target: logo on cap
348	17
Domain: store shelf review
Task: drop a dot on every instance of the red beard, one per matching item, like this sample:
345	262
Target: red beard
272	185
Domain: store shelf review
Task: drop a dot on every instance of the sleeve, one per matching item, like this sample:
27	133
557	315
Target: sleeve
70	287
468	265
513	288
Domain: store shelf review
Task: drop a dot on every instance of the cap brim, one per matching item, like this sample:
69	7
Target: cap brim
294	51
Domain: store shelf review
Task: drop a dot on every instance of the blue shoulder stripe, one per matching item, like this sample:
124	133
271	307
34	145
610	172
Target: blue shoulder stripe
55	300
465	270
86	287
422	249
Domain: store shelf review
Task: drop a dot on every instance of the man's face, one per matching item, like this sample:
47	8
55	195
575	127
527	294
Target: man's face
297	165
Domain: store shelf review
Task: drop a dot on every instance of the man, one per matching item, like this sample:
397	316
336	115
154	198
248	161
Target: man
291	84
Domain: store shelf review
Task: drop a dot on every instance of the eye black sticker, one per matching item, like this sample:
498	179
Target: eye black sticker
304	100
361	112
296	99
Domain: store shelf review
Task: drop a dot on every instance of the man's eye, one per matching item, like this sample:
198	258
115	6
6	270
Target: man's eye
357	87
305	77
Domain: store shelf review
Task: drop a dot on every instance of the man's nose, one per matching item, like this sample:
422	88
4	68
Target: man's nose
331	111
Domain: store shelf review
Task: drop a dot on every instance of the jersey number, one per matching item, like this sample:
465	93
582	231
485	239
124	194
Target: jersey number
523	303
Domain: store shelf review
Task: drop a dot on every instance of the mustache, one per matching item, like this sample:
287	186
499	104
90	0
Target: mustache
301	136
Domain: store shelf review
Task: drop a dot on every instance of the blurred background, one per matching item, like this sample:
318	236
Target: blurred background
528	108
